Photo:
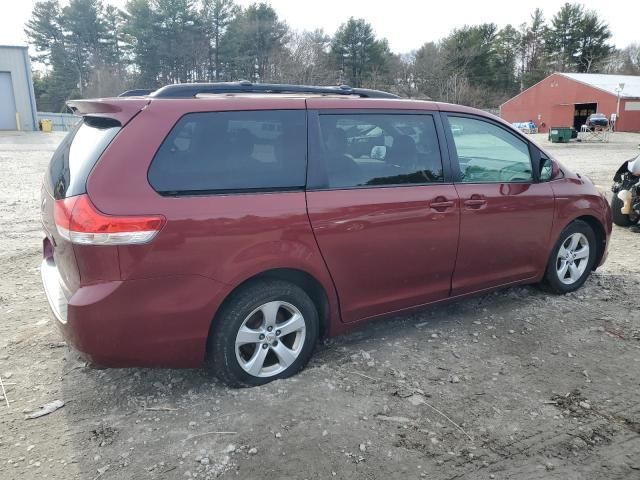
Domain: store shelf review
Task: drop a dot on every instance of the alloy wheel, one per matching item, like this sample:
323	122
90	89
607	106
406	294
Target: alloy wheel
572	258
270	339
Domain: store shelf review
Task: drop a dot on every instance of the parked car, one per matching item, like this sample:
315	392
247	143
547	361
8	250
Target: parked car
597	120
178	236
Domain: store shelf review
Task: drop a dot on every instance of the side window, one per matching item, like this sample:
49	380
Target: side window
488	153
218	151
359	150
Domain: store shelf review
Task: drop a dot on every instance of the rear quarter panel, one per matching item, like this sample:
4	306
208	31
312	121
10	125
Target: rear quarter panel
227	238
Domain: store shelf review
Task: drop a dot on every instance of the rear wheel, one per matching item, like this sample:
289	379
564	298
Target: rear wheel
267	330
572	258
619	218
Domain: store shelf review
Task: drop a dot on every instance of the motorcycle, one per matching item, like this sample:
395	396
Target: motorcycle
625	202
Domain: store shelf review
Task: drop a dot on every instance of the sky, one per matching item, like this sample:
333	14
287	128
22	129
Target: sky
407	24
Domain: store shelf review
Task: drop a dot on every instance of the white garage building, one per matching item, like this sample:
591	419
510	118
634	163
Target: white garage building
17	99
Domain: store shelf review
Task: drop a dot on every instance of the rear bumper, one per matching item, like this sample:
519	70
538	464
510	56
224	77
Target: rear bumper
155	322
57	295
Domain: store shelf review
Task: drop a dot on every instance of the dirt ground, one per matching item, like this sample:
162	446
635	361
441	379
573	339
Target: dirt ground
517	384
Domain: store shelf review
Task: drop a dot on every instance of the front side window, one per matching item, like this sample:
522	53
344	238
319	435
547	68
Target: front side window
231	151
360	150
488	153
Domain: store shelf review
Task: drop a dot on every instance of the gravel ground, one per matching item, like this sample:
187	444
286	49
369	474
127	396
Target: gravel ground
516	384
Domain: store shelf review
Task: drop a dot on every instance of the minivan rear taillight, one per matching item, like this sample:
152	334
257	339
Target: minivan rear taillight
78	221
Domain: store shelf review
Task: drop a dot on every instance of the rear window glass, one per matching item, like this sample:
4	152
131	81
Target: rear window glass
76	156
232	151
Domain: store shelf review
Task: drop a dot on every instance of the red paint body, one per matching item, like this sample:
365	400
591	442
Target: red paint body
373	251
552	102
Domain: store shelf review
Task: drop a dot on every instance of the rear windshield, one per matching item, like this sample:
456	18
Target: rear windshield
211	152
76	156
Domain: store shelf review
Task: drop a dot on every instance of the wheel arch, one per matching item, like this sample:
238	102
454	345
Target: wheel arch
298	277
600	233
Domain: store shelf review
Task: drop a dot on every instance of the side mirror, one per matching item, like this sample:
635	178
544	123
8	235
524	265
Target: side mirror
546	169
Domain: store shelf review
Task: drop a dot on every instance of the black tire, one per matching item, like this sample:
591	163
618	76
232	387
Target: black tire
619	218
222	360
552	279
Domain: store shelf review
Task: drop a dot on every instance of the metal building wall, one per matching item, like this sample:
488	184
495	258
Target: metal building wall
552	102
15	60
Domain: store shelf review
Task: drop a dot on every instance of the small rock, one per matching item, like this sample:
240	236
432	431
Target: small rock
325	433
512	331
454	379
278	435
253	451
363	447
585	405
204	461
102	470
434	335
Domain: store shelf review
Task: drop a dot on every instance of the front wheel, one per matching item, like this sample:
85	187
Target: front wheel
265	331
572	258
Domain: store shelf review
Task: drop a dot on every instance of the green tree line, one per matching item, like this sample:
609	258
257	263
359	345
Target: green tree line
89	48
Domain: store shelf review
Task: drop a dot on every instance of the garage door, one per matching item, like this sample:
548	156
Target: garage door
7	103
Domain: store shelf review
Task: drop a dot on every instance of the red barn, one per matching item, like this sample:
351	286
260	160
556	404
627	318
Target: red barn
567	99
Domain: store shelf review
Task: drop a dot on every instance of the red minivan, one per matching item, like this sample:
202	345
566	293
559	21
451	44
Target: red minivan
234	224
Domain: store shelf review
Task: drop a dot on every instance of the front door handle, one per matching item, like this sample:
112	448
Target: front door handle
476	201
441	204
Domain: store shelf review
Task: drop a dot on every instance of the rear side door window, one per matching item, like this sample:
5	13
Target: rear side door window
369	150
488	153
226	152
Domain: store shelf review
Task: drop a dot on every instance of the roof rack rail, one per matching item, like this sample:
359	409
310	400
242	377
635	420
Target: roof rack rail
187	90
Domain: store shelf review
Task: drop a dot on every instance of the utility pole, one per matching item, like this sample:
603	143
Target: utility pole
619	89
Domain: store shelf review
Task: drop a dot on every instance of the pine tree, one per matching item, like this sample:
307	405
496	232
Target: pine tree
357	52
562	39
216	16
